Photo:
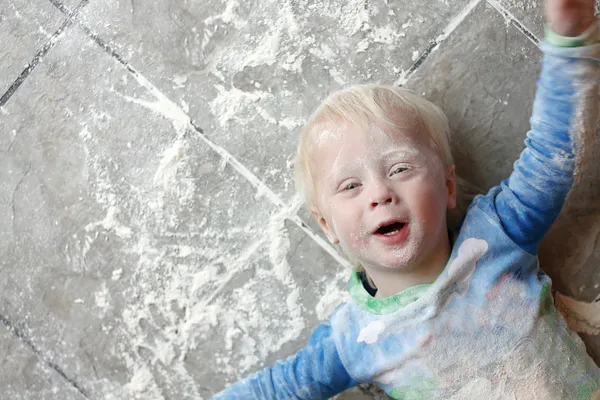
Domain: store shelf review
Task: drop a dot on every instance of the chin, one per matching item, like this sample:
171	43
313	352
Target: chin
393	266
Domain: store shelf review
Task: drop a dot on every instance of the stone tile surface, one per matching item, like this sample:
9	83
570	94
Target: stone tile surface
148	259
25	27
250	72
570	252
269	312
24	376
118	217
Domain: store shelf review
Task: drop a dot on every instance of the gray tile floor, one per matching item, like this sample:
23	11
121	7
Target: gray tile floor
152	246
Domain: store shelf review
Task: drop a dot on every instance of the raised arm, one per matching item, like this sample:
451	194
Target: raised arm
564	116
315	372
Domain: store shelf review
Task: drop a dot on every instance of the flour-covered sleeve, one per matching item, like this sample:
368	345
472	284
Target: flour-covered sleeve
315	372
564	117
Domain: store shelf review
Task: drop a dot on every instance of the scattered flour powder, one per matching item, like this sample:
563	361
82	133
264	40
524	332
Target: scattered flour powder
170	315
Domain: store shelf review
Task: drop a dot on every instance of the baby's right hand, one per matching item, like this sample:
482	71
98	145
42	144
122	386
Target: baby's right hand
569	17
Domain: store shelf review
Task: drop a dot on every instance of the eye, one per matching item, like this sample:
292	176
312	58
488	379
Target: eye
350	186
398	169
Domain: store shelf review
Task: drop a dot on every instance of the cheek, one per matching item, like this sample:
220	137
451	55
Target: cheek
350	231
429	200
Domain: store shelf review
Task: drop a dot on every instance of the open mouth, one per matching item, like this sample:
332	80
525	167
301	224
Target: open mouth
390	229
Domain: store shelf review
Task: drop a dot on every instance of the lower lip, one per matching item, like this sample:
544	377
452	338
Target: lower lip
396	238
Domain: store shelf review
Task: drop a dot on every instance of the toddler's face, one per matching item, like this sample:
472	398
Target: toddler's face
382	194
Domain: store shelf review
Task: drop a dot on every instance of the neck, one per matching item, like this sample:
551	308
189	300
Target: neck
391	281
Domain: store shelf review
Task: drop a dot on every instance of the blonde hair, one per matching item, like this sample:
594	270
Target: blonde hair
362	106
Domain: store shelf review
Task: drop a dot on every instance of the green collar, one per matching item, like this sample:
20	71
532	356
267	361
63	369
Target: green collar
387	305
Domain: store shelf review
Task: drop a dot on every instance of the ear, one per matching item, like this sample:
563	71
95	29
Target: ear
324	225
451	186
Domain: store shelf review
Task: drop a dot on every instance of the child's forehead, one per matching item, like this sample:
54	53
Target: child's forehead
326	135
334	135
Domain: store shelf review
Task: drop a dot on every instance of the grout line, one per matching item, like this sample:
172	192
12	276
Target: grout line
19	334
34	63
42	53
64	9
435	43
254	180
457	20
413	68
515	21
242	259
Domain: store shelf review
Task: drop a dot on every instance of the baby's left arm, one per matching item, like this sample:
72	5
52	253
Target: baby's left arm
564	116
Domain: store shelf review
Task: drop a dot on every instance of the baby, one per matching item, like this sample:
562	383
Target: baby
436	314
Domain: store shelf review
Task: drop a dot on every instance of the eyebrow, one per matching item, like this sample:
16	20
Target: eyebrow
404	152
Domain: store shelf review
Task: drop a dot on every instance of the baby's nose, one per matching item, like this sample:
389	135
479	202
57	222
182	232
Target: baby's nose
381	195
376	203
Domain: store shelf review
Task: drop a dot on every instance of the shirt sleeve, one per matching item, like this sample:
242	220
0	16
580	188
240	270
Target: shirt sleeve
590	36
565	112
314	372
